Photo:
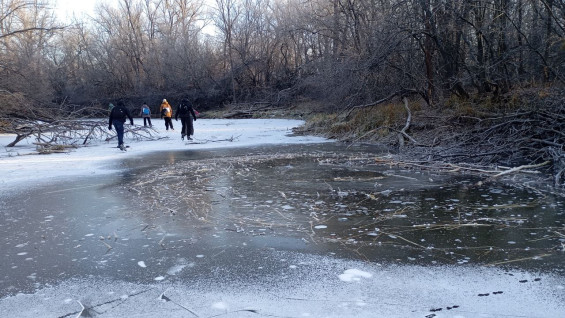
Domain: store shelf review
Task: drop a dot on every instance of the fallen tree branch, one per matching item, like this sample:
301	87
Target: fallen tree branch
406	126
517	169
402	92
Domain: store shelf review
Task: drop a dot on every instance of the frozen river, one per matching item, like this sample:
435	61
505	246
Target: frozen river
292	230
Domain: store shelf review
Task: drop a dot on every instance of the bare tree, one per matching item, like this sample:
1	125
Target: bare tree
26	31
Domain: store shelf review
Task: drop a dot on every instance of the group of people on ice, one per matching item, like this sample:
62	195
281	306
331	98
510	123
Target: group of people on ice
185	111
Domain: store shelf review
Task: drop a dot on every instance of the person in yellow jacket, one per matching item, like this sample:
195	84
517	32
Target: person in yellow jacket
167	113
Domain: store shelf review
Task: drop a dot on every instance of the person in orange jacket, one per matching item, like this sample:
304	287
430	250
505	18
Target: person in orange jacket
167	113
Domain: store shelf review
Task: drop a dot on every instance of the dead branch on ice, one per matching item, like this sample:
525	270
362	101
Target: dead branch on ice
490	172
518	169
63	135
205	141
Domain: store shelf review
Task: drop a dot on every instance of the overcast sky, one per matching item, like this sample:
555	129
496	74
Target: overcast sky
66	8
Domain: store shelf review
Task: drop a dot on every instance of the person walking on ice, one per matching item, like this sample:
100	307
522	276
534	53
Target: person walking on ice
184	110
145	113
118	118
167	113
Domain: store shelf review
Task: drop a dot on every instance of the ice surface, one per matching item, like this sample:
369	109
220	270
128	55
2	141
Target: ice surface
292	284
98	158
319	287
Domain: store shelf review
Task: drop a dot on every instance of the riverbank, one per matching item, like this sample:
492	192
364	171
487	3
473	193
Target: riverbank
519	134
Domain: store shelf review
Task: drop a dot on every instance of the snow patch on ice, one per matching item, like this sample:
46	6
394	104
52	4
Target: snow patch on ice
220	305
354	275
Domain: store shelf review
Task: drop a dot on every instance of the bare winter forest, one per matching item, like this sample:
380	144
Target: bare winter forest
337	52
496	66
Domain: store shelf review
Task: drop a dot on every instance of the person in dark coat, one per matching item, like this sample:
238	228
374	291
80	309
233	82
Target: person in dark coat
118	118
184	110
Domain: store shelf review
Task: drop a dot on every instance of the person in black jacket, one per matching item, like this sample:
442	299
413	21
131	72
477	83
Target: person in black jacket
184	110
118	118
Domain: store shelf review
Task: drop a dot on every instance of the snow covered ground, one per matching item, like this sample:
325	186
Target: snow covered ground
281	283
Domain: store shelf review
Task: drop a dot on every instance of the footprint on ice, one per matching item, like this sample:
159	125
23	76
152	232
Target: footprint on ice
141	264
354	275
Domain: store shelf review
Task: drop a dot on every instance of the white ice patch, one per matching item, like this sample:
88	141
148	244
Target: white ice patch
354	275
159	278
220	305
141	264
89	234
319	227
175	269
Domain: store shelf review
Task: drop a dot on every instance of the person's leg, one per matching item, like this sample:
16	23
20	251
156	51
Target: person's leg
171	122
183	130
144	121
119	126
190	127
149	121
167	122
